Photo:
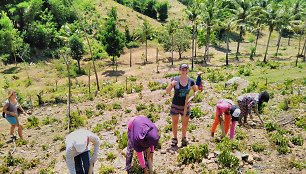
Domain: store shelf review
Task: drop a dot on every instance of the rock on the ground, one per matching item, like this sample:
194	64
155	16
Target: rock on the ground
257	157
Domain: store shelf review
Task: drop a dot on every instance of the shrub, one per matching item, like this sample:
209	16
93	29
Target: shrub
250	88
101	106
138	88
195	112
153	86
140	107
106	169
169	75
58	138
271	126
279	139
301	122
127	110
49	120
199	98
168	128
192	153
32	122
21	142
117	106
89	113
297	164
110	156
227	160
191	127
4	169
227	144
9	160
258	147
30	164
283	149
76	120
297	140
122	140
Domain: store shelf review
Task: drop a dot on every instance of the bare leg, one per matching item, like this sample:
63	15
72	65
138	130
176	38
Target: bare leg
20	131
12	129
185	120
175	119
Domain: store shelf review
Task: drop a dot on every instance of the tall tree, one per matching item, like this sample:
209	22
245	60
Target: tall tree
146	34
271	22
172	27
193	12
112	38
242	11
10	41
283	20
256	21
76	49
162	10
209	9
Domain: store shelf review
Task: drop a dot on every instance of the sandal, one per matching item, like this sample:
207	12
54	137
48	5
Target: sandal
174	142
184	142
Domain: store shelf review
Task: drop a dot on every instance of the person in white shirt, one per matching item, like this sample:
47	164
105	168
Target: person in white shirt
78	153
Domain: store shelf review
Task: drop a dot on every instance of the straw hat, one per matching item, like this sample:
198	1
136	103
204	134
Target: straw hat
200	72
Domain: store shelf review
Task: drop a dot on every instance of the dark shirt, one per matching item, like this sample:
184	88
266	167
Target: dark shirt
180	94
199	80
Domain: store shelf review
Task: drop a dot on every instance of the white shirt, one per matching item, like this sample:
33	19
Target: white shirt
71	151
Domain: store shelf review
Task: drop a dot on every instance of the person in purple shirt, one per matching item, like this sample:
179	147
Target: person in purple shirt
143	137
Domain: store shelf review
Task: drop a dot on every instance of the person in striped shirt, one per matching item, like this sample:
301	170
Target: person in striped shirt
78	151
251	101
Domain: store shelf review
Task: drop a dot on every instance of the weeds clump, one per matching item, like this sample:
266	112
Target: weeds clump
101	106
196	112
106	169
227	160
297	140
33	122
258	147
122	140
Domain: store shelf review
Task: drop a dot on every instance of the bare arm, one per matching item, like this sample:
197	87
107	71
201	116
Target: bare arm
195	92
170	86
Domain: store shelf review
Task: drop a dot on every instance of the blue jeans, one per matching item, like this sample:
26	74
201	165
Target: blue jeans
82	163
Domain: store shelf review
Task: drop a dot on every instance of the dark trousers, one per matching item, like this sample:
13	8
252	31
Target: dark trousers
82	163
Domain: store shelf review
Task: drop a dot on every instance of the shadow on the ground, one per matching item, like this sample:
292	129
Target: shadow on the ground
112	73
12	70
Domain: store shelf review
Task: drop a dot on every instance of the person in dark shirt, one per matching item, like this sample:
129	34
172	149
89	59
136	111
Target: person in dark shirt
199	81
182	84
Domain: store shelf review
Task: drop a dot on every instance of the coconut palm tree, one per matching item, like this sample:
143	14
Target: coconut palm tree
271	22
210	9
256	20
242	10
193	12
283	20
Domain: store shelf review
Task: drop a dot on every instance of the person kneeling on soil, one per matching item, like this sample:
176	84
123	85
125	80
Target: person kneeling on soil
251	101
231	112
78	153
143	137
10	110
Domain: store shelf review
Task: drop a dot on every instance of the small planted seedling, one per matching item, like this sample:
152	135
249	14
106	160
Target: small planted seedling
106	169
227	160
297	140
257	147
192	154
122	140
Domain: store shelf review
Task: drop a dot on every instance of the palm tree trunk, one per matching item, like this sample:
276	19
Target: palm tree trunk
238	46
172	49
265	58
79	66
257	36
195	41
207	44
146	50
299	44
227	48
289	40
192	52
278	43
303	50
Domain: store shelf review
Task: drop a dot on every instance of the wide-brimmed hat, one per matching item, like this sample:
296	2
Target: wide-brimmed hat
200	72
